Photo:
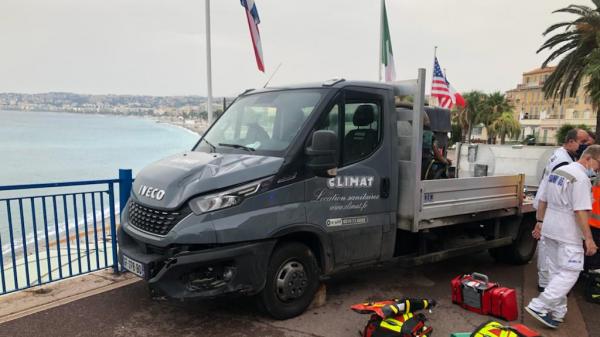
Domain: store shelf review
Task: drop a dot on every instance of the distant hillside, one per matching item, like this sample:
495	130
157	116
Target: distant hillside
110	104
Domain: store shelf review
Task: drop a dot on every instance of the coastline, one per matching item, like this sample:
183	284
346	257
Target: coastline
196	127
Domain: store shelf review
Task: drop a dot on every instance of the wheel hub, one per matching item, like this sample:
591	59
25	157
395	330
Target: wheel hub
291	281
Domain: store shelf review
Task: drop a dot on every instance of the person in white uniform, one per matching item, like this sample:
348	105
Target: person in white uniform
564	205
573	145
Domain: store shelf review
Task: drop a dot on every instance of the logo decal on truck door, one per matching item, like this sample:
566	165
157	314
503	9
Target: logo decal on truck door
351	182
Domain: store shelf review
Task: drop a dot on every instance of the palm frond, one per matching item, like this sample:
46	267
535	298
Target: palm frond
559	52
575	9
556	26
558	39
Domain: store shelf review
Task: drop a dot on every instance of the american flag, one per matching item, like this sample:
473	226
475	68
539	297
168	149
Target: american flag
253	21
440	87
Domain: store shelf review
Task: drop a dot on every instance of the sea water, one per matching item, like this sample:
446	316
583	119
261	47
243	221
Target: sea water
48	147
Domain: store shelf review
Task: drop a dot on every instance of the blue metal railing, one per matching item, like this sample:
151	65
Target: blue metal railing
54	231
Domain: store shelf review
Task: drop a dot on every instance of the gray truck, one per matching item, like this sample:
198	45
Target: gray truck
291	185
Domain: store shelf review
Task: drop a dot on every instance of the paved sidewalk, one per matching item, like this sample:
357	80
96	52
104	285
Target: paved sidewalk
128	311
33	300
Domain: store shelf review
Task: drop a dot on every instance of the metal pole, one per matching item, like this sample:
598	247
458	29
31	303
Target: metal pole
208	66
380	38
417	144
125	182
113	227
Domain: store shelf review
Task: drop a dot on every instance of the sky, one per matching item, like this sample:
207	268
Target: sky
157	47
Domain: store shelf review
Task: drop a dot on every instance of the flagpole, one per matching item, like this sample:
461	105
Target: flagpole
432	71
208	66
380	38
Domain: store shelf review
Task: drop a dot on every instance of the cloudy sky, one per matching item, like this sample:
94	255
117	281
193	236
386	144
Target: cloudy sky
157	47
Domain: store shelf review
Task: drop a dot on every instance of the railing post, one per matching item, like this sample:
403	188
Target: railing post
125	182
113	226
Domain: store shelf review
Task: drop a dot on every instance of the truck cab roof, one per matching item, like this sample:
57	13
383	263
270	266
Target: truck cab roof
334	83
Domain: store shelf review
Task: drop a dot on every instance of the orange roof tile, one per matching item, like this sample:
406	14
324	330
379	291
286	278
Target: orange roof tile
540	70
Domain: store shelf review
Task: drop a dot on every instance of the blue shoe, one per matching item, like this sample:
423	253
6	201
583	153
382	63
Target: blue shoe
558	319
545	319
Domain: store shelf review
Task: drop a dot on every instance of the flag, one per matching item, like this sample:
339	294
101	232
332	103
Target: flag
387	56
457	98
253	21
441	89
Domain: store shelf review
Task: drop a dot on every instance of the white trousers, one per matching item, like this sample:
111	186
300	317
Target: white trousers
564	263
542	264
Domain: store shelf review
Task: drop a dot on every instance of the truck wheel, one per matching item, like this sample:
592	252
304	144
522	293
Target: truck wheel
522	249
292	281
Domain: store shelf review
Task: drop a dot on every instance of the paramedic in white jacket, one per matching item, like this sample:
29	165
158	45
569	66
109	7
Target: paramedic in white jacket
564	205
575	142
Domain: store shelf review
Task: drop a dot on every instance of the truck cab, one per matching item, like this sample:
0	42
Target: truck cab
293	184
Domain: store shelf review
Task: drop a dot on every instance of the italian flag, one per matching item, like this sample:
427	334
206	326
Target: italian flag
387	56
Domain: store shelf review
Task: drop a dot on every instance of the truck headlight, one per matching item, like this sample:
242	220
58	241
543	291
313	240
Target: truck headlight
228	198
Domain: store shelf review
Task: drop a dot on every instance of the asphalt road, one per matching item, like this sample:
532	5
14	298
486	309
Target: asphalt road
129	312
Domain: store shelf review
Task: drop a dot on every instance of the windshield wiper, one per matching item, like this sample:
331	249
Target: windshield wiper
212	147
238	146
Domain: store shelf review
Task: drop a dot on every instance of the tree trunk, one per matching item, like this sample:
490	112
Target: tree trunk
598	124
469	137
503	139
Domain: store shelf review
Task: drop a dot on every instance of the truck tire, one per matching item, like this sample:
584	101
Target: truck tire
522	250
292	281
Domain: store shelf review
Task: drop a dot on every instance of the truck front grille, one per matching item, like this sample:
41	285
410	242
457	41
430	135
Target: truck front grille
153	220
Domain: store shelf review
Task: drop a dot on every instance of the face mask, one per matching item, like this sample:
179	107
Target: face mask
590	173
580	150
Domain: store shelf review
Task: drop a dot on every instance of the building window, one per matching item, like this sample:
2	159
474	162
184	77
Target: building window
562	112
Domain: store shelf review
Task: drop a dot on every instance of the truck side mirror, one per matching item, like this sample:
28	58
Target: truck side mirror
323	153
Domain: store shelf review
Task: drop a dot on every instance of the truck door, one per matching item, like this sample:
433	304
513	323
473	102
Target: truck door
354	207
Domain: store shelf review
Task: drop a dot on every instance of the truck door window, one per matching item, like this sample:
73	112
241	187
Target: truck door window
362	132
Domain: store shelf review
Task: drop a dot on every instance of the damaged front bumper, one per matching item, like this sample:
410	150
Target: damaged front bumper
205	273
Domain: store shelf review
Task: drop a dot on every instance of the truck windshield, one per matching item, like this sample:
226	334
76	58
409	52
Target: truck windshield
263	123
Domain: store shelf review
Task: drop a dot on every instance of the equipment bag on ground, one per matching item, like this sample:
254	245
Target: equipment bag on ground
395	318
475	293
497	329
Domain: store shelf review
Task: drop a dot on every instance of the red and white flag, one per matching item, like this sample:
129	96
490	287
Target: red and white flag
253	21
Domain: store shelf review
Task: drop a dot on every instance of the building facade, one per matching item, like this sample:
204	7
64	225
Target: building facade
542	117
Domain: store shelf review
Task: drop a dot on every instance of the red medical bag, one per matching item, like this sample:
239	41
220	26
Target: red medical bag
475	293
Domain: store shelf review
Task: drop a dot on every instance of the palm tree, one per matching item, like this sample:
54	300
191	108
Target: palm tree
459	118
593	85
475	110
505	125
575	44
496	105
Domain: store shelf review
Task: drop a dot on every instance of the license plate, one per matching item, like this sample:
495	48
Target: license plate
133	266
